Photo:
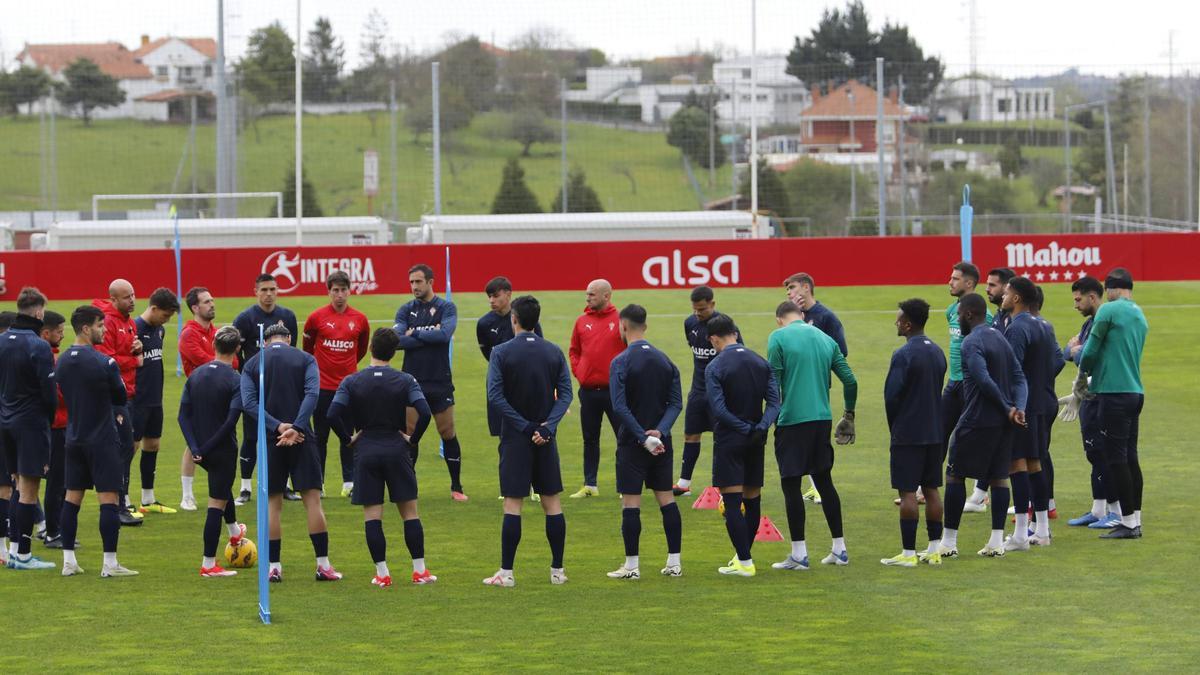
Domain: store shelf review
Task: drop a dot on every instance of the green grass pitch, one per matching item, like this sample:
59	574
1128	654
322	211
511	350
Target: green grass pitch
1082	604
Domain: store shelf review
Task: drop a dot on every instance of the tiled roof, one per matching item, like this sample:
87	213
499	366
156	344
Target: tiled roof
836	104
112	58
206	46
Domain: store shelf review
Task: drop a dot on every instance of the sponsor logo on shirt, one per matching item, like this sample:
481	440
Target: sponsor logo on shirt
674	270
339	345
704	353
291	271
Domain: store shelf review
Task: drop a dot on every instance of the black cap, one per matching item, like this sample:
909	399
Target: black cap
277	329
1119	277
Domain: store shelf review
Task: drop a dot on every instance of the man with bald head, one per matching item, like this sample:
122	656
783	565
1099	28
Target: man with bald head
121	343
595	342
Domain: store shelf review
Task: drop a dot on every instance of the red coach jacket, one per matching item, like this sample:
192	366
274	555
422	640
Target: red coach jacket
595	342
60	413
196	346
119	334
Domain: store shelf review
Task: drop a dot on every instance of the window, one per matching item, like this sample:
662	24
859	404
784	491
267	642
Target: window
160	72
208	70
1002	105
761	97
745	98
798	98
745	73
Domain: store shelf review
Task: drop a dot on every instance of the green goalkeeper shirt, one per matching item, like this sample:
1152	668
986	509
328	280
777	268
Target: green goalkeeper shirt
956	338
1112	354
802	358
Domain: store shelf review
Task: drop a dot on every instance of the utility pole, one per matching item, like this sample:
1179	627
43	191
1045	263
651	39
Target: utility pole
733	147
562	162
879	94
1066	221
299	133
712	141
437	141
754	115
903	169
395	205
853	163
222	117
1188	158
1146	147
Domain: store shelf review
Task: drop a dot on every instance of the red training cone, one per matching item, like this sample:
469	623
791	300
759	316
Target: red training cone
709	499
767	531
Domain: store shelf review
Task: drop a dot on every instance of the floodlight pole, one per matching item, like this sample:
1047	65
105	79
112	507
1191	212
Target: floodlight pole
299	139
437	141
754	117
562	162
879	92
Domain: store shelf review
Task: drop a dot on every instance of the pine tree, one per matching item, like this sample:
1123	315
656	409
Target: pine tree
514	196
311	208
581	198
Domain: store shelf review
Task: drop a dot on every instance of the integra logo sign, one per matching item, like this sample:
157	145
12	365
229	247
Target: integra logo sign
1024	255
291	272
670	270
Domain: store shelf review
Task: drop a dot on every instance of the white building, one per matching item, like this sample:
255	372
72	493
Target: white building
159	78
981	99
780	97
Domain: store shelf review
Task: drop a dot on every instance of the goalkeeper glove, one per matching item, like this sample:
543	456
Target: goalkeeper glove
844	433
1070	411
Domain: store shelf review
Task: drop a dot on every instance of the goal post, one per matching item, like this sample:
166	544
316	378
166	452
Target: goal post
96	199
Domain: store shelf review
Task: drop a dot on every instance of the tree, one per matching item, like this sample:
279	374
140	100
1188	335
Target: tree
468	66
1010	157
772	196
528	126
988	195
324	62
821	191
581	198
688	129
89	88
268	70
514	196
24	85
1045	176
311	208
456	113
843	46
372	48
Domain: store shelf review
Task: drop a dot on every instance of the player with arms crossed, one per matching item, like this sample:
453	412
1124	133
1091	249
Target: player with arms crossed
123	346
529	382
912	399
371	407
697	418
336	335
209	409
646	399
744	399
94	390
426	327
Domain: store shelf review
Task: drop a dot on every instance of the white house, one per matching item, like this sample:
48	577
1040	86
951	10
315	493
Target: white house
159	78
780	97
983	99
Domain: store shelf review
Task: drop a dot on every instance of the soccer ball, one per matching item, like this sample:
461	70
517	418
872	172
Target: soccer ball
245	554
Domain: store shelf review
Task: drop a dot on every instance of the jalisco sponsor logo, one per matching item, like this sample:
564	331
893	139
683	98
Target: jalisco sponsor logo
664	270
1053	255
291	272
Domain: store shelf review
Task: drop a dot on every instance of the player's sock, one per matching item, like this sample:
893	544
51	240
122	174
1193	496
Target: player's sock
510	537
320	544
735	524
996	540
831	504
631	531
1098	508
1021	489
839	545
230	513
187	482
691	454
673	559
148	496
793	501
212	532
381	569
110	559
949	538
376	541
1114	507
453	455
148	465
556	534
799	550
12	528
110	529
684	483
208	561
232	529
414	539
1039	494
273	549
68	526
673	528
1000	497
955	500
1137	516
1043	524
908	534
69	557
934	529
753	516
247	485
1021	526
4	522
27	517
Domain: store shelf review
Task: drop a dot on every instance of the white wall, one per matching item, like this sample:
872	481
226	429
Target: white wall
173	55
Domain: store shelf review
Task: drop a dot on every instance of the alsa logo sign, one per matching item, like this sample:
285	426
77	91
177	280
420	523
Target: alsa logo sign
291	272
675	270
1053	255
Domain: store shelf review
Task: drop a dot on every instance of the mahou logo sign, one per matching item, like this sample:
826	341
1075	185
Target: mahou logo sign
1053	255
291	270
675	270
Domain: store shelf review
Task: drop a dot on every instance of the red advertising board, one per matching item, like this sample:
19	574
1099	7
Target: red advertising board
641	264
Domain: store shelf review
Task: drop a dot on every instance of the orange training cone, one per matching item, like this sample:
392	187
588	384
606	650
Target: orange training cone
709	499
767	531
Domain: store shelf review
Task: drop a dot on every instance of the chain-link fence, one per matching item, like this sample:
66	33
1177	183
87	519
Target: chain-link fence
538	122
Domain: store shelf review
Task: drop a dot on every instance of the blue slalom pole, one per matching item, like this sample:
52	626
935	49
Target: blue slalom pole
449	296
965	215
178	293
264	586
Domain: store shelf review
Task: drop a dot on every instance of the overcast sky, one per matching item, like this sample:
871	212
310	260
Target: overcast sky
1016	37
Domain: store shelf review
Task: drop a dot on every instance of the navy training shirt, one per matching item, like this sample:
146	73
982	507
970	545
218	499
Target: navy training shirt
822	317
92	387
293	384
529	382
993	380
494	329
1036	349
27	390
427	350
247	324
1003	317
695	332
912	392
209	408
376	401
149	390
738	383
1084	331
645	392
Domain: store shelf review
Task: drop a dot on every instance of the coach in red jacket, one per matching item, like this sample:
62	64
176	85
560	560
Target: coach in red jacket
122	344
595	342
